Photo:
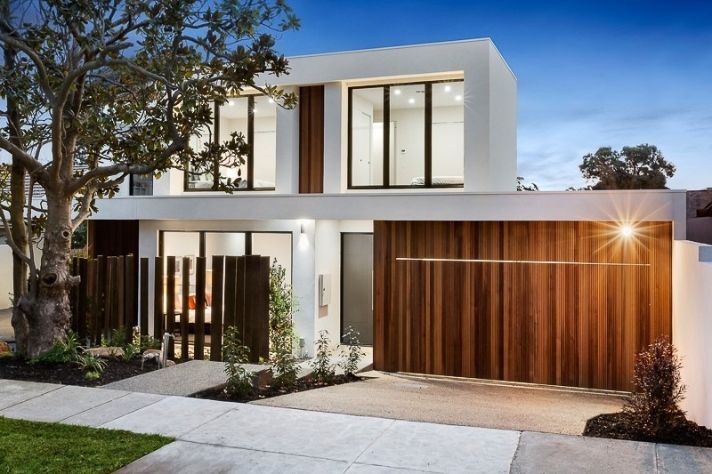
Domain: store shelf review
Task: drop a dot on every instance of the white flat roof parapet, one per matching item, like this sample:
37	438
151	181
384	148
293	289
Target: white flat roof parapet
406	60
629	206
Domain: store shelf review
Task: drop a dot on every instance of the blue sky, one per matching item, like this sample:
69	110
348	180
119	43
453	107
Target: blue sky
589	74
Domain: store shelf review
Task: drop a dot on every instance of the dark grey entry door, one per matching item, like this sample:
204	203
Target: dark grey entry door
357	284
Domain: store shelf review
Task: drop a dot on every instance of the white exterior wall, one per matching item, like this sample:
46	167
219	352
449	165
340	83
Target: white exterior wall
5	276
692	325
617	206
489	119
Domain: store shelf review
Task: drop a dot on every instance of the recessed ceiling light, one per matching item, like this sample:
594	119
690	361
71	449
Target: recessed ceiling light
448	88
458	97
411	101
397	91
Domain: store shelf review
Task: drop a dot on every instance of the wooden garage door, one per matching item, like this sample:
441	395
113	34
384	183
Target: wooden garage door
564	303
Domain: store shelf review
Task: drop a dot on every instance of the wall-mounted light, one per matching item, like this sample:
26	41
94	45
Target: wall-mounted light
458	98
397	91
302	229
626	231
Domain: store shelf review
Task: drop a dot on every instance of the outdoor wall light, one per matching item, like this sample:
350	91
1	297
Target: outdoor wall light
626	231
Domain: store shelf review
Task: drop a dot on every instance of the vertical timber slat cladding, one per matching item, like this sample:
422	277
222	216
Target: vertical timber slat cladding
311	139
563	303
143	318
199	347
216	319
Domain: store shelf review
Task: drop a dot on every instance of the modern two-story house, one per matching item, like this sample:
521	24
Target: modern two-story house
389	196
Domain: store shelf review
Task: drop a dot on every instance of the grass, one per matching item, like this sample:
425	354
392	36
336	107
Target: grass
30	447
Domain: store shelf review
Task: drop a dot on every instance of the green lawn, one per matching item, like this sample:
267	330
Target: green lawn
28	446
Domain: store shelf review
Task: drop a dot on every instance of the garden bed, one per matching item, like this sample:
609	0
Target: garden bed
270	391
69	373
618	426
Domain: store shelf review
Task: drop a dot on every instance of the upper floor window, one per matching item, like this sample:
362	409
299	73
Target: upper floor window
407	135
141	184
255	118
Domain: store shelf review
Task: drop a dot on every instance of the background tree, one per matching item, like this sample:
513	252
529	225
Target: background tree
522	185
634	167
98	89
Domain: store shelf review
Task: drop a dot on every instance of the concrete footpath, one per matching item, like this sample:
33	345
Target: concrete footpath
214	436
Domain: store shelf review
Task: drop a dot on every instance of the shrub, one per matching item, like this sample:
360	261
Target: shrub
133	349
92	365
653	409
321	364
118	338
62	352
239	380
353	352
282	305
149	342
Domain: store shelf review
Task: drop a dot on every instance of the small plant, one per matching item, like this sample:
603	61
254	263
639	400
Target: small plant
118	338
92	365
149	342
353	352
239	380
62	352
281	335
653	409
133	349
321	364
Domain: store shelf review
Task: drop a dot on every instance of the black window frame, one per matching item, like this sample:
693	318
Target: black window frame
132	183
427	130
248	242
249	160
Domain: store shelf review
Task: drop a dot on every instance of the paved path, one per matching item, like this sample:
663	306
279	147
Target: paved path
216	436
185	379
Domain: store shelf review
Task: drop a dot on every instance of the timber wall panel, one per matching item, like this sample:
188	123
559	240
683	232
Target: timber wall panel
311	139
553	323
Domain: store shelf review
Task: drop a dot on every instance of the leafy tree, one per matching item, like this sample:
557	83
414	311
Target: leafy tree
96	90
634	167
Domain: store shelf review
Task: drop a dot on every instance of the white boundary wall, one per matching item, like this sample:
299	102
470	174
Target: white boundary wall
692	324
5	275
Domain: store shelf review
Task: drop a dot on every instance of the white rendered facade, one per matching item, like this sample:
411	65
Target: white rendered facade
317	221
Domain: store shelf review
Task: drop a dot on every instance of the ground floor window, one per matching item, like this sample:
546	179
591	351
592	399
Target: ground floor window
191	244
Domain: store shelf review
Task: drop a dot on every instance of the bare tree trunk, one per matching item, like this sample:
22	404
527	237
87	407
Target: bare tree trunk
50	309
19	267
18	231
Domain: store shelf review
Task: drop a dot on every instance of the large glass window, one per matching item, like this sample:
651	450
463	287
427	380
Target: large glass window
407	135
255	119
367	136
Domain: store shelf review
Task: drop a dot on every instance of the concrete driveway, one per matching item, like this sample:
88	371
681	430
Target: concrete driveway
458	402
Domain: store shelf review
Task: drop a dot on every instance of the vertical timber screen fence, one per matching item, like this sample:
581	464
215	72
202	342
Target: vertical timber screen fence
191	301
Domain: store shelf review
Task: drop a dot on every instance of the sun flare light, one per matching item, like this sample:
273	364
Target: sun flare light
626	231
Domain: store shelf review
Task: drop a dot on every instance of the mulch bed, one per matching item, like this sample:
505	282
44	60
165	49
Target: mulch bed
269	391
69	374
617	426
